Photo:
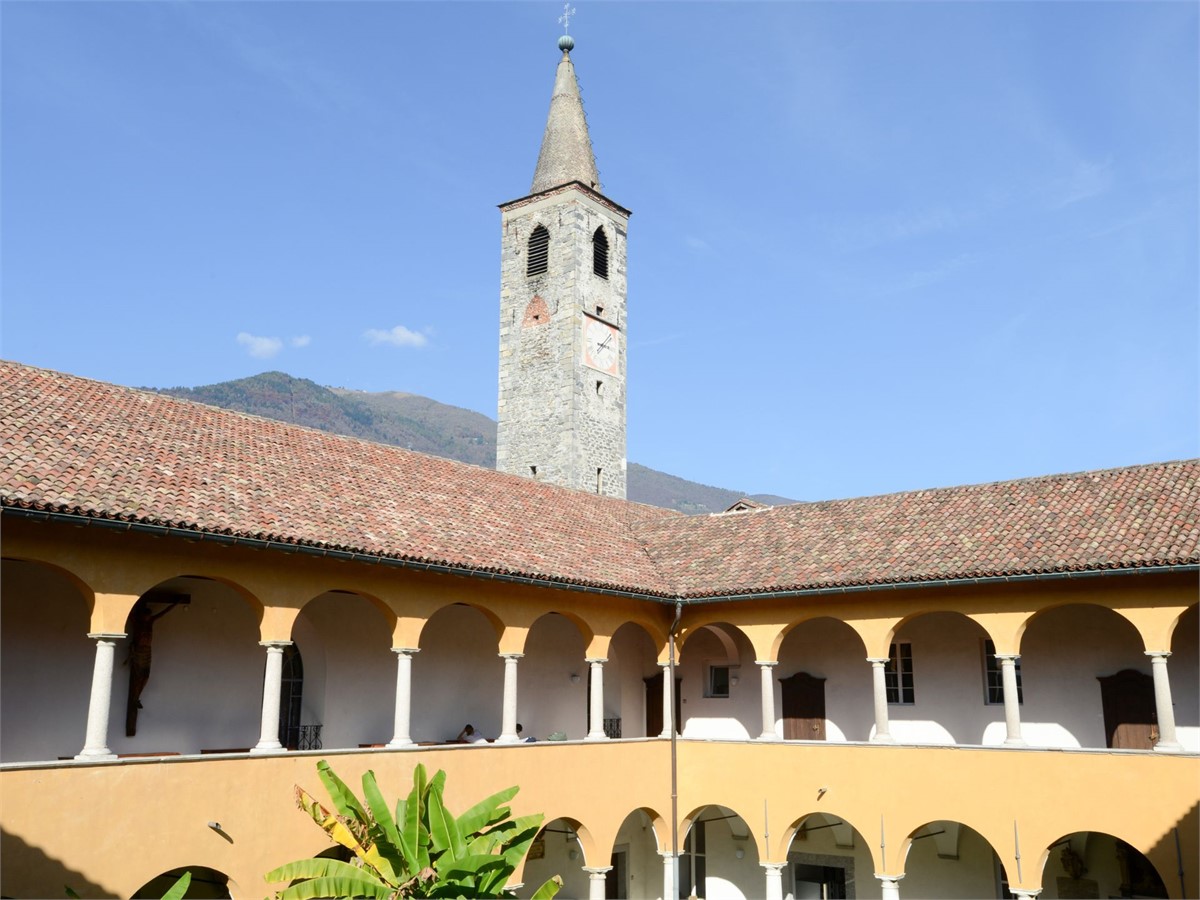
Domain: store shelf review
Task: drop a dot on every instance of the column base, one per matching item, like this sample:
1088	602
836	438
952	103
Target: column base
405	744
597	737
1168	747
507	739
93	755
269	748
882	739
1015	742
768	736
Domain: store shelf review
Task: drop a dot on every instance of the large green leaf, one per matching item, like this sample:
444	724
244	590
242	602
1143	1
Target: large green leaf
384	832
338	887
549	889
443	827
486	812
179	888
415	833
343	798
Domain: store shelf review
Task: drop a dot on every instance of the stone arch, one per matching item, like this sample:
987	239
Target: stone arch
632	680
720	690
566	846
947	853
824	839
636	845
718	844
830	650
1111	865
46	660
205	883
1065	651
493	619
1057	604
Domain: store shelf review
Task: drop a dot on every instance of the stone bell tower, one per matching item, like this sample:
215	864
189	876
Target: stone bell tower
561	409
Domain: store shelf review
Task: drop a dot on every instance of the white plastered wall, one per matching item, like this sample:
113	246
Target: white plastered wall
736	717
353	698
926	874
631	660
644	866
548	700
726	876
457	677
1063	652
46	661
1183	666
558	847
829	649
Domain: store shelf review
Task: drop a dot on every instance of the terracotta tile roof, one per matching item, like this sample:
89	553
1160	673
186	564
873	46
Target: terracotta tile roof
1119	518
73	445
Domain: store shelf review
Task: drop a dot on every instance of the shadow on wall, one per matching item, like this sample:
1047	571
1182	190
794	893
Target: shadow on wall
1174	856
28	872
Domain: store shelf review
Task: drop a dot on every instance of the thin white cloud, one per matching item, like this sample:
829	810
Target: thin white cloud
259	347
697	243
299	341
397	337
1086	179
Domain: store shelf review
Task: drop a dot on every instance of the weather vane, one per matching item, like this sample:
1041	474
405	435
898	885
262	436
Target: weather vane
565	18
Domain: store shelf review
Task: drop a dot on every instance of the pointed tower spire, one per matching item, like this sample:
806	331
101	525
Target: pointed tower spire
566	147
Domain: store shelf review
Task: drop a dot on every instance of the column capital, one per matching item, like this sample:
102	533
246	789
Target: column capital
107	636
1153	654
664	665
597	871
766	662
878	660
406	650
596	661
275	645
1025	895
773	867
891	878
511	655
1007	657
667	855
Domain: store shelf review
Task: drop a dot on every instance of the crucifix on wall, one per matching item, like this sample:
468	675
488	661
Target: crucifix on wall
141	637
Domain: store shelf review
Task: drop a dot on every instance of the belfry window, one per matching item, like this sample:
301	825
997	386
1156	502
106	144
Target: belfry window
600	253
538	260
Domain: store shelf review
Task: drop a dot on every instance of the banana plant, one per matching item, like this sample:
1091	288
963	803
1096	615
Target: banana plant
420	850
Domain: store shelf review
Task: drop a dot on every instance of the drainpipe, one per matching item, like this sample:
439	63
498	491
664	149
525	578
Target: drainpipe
674	758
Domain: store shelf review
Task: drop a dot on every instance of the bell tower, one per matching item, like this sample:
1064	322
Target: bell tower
561	409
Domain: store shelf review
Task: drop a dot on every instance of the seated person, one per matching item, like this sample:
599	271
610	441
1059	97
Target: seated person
470	736
524	740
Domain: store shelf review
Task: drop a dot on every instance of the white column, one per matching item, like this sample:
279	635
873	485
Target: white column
774	889
668	701
508	721
268	740
670	892
95	743
403	717
1012	701
890	886
768	703
596	881
596	706
879	686
1167	741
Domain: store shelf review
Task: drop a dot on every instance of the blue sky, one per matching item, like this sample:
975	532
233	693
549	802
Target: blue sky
874	246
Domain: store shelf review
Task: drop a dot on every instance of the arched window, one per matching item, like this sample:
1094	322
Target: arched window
600	253
539	252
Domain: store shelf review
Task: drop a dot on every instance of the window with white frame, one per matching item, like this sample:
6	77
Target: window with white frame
993	680
898	675
718	681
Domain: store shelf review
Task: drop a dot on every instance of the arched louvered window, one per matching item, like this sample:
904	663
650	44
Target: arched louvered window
539	252
600	253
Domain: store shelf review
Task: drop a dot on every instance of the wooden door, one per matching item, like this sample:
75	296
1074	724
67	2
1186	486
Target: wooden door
803	707
1130	719
654	710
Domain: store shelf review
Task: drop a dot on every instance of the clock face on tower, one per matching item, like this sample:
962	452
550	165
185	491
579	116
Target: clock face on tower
601	345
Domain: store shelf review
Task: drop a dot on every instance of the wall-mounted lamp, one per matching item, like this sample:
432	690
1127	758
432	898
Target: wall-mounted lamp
821	792
573	854
733	679
740	853
574	678
215	826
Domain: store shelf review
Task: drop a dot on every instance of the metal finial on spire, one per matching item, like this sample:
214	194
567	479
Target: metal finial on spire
566	43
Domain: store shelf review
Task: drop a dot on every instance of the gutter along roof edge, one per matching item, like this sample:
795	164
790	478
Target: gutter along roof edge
11	508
